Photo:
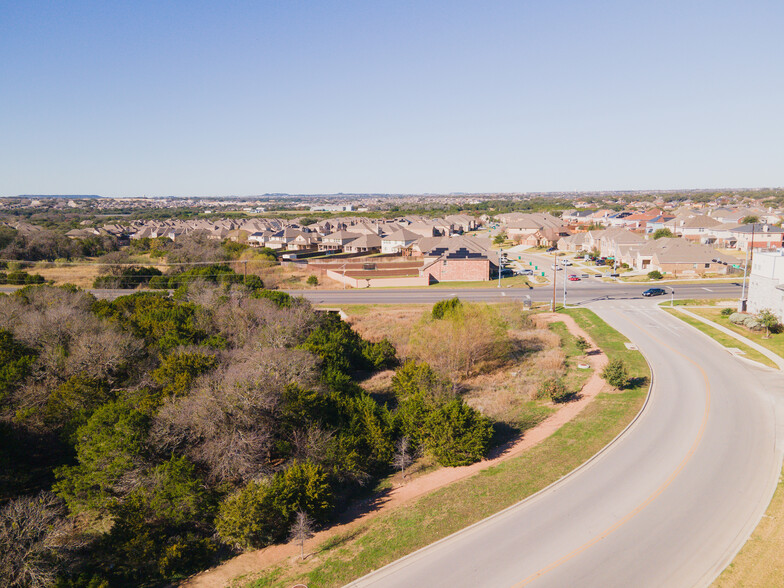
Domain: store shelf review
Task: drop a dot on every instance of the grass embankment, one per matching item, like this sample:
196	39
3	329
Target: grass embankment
722	338
775	342
760	563
576	377
447	510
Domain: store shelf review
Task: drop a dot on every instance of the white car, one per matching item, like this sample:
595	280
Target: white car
557	268
566	262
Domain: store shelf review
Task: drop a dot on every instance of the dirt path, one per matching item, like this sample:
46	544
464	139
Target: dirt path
257	560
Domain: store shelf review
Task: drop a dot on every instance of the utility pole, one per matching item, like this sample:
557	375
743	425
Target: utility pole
245	272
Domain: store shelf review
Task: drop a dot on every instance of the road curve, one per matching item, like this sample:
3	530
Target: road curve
667	504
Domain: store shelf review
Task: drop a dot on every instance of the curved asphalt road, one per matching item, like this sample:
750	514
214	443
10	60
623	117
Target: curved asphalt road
668	504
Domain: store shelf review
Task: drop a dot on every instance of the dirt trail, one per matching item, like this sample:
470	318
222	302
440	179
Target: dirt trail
256	561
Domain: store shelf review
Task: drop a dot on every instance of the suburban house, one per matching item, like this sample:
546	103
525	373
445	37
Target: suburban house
367	243
398	240
698	228
678	256
337	241
758	236
766	283
457	259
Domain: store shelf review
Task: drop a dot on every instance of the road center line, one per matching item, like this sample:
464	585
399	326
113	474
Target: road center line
667	483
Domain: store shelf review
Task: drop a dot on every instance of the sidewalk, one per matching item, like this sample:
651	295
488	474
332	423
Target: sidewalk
777	359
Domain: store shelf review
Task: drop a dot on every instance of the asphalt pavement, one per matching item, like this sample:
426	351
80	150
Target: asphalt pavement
668	503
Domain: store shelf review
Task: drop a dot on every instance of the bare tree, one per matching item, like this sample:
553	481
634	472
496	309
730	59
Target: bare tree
227	421
35	539
301	531
403	456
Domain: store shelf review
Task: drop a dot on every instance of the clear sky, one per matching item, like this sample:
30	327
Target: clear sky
239	98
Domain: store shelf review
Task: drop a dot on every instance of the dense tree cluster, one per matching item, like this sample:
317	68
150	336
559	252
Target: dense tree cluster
149	436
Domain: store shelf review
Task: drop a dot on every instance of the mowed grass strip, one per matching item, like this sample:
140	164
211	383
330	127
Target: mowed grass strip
760	563
392	535
724	339
775	342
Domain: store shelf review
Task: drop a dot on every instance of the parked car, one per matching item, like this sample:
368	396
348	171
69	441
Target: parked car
525	272
574	278
654	292
551	249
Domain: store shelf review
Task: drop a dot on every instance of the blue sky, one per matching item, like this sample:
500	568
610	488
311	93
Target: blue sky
241	98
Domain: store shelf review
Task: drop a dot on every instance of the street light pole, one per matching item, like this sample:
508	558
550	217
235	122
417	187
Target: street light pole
500	251
564	290
742	303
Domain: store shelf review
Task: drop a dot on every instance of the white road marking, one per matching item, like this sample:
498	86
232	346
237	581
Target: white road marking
708	289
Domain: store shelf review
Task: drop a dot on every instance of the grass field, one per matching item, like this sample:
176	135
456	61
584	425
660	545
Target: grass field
414	525
722	338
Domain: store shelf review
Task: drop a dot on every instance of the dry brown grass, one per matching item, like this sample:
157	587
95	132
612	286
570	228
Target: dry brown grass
394	322
550	360
78	275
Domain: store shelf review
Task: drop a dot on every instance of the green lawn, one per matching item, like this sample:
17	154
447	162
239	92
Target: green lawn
775	343
412	526
722	338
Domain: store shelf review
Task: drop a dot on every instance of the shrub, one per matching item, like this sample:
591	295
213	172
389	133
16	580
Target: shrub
312	280
616	374
444	307
582	344
457	434
554	389
655	275
737	318
725	312
380	355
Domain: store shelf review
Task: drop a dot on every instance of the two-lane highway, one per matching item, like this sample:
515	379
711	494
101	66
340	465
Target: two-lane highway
667	504
577	293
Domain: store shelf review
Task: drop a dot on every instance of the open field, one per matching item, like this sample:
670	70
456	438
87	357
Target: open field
411	526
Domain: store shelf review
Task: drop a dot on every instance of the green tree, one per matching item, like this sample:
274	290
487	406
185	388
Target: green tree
499	239
109	445
71	404
161	529
662	233
457	434
15	363
750	219
312	280
768	320
178	370
444	307
379	355
616	374
655	275
249	519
